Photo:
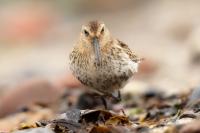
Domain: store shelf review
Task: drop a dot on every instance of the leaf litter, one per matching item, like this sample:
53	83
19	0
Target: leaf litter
149	112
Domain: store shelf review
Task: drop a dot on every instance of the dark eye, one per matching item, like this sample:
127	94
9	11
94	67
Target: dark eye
102	30
86	33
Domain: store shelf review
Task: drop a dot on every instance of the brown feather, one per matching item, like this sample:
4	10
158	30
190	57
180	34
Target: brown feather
94	26
127	50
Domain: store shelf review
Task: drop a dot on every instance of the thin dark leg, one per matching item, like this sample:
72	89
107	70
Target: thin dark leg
119	99
104	102
119	95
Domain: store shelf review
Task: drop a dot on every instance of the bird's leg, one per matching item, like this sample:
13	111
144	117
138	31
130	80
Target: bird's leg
118	97
123	112
104	101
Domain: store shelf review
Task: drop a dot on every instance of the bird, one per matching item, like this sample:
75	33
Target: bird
101	62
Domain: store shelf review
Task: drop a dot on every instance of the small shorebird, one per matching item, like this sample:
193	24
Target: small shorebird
102	62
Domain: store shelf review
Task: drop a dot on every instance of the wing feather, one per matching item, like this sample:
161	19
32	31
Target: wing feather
127	50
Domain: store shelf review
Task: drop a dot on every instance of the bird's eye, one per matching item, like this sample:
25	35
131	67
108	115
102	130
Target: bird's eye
86	33
102	30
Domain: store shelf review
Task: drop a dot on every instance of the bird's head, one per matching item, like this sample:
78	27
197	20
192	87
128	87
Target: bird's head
94	36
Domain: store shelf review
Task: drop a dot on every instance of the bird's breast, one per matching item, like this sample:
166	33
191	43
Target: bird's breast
113	73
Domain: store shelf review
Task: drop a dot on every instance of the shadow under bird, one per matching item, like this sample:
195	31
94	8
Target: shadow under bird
102	62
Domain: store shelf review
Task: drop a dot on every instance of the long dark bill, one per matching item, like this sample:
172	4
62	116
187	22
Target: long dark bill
97	51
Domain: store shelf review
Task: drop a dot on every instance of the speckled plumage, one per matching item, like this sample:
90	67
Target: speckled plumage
117	62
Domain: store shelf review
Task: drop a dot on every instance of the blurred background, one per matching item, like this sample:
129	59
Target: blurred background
36	37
